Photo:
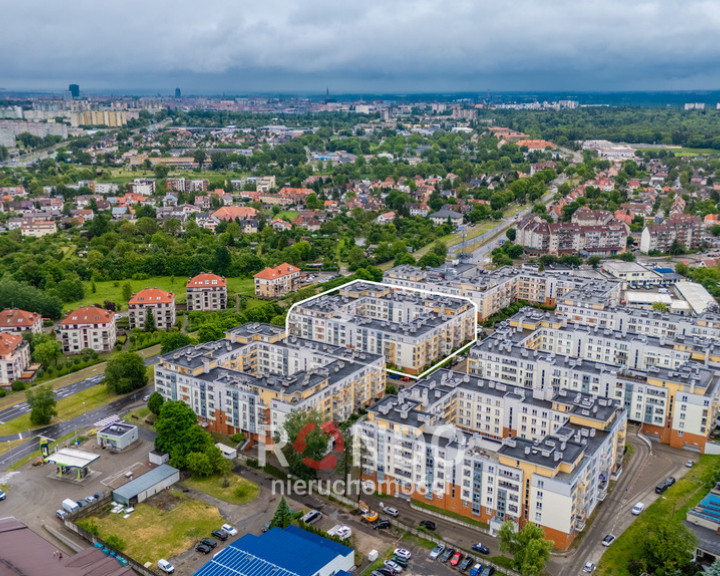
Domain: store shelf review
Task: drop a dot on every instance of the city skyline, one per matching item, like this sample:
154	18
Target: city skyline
409	47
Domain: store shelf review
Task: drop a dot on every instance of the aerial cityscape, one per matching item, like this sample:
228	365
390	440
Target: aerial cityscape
367	290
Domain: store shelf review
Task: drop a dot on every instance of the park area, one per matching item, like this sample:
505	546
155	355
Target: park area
166	525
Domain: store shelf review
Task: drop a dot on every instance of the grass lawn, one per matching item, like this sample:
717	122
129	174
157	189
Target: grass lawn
241	490
672	506
683	151
285	215
154	532
112	289
9	445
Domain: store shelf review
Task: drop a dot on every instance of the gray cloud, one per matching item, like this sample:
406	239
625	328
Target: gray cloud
393	45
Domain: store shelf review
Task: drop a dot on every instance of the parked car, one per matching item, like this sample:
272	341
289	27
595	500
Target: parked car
609	539
82	503
689	464
435	552
391	512
229	529
204	548
475	570
146	397
98	495
664	485
402	562
61	514
429	524
447	555
639	507
343	532
466	563
402	553
2	495
455	560
266	527
209	542
384	572
220	534
312	517
165	566
481	548
589	567
393	566
488	571
383	524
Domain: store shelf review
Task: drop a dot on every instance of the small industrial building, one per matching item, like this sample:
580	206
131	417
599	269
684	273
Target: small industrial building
704	522
147	485
117	436
69	460
227	451
289	552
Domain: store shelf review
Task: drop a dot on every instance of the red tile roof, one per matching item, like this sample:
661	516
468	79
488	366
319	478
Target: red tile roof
152	296
88	315
271	273
12	317
206	280
8	343
232	212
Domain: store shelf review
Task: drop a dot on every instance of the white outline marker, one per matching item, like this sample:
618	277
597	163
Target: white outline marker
397	289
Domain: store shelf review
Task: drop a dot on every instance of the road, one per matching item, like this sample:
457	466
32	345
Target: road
62	428
60	393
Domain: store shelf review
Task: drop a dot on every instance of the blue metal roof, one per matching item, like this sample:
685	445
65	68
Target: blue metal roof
709	508
289	552
142	483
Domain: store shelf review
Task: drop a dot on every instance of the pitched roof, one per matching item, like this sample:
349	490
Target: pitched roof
8	342
278	272
12	317
206	280
152	296
88	315
232	212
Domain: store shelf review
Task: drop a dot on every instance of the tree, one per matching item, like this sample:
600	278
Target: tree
198	464
127	291
179	434
42	405
676	248
316	441
714	569
666	547
528	546
594	261
155	403
511	234
283	515
149	321
209	332
125	372
47	352
174	340
199	157
660	306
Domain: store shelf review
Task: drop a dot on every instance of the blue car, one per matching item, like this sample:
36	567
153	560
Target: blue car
2	495
475	570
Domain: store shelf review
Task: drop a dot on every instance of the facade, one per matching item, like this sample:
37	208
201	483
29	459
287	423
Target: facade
14	357
14	320
251	380
160	302
38	228
88	327
289	552
670	387
684	229
276	282
493	452
206	292
412	330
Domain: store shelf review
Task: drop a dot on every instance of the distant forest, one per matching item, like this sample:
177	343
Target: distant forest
690	128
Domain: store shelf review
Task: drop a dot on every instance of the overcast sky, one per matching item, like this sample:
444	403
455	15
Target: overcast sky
361	45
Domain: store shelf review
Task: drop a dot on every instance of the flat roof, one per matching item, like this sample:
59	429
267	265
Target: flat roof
696	295
72	458
147	480
117	429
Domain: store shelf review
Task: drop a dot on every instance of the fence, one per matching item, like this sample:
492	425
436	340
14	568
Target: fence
71	524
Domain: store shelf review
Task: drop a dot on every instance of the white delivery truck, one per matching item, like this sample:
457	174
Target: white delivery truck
70	505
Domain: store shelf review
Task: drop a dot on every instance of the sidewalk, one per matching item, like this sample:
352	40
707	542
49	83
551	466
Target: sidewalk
90	371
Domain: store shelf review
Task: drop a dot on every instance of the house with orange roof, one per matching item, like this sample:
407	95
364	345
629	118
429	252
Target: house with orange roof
19	321
14	358
206	292
276	282
280	225
159	302
229	213
711	220
88	327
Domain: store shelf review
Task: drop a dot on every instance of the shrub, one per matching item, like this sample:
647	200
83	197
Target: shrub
17	386
238	437
241	490
90	526
116	542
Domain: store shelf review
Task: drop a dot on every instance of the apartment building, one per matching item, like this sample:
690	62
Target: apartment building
14	320
160	302
491	291
493	452
413	330
670	387
38	228
684	229
276	282
14	357
206	292
251	380
88	327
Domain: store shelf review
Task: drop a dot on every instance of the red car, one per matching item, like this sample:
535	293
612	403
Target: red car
456	559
